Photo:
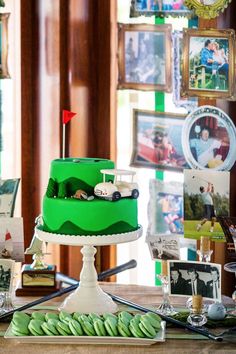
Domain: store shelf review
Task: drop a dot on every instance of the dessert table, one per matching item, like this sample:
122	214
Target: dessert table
177	341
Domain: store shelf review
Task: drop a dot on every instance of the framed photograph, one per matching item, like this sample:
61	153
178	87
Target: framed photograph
8	192
4	74
208	63
6	274
165	209
12	239
205	198
189	103
209	139
157	140
228	224
207	8
195	278
160	8
164	247
144	57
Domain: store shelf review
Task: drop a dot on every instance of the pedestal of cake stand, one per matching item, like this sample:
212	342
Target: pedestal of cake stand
88	297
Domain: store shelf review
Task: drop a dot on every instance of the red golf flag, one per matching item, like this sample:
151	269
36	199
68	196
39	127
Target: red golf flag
67	116
7	236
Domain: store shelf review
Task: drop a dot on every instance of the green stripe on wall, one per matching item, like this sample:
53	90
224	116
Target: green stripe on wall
160	107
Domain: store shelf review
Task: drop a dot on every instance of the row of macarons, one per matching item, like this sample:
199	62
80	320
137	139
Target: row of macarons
122	324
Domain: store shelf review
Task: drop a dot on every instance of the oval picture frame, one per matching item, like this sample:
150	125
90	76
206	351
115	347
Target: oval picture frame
192	131
207	8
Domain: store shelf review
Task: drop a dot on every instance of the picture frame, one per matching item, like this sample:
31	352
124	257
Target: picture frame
208	63
208	139
8	192
159	8
12	239
6	275
207	9
157	140
165	208
188	103
4	73
205	199
144	57
164	247
194	278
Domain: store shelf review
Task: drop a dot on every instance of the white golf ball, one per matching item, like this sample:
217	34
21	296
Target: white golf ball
216	311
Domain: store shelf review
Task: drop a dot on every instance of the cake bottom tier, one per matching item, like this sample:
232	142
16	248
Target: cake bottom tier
95	217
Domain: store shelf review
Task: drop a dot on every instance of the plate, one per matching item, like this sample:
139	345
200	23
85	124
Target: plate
87	339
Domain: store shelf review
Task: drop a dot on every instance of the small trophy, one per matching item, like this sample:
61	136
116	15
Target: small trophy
37	278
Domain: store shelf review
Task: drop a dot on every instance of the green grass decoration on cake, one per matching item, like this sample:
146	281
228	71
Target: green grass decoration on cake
52	187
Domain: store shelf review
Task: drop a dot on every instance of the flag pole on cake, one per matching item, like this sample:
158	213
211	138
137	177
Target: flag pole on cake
66	117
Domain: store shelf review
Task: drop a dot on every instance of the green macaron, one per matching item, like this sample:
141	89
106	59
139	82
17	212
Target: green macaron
65	316
75	327
20	322
135	330
46	330
63	328
123	329
51	326
51	315
146	327
125	317
35	327
153	319
83	318
108	315
76	315
88	328
38	316
93	316
136	318
110	324
16	332
99	327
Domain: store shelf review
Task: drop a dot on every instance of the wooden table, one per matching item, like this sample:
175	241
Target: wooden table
140	294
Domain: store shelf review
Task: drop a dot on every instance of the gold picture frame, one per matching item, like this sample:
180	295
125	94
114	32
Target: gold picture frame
208	63
144	57
4	74
207	8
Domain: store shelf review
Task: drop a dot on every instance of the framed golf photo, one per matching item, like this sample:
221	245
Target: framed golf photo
6	275
157	140
165	209
144	57
208	63
208	139
205	199
160	8
8	192
195	278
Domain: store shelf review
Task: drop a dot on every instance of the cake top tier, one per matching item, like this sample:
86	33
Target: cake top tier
83	169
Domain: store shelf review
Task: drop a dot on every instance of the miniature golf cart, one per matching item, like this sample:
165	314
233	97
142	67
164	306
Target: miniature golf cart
114	190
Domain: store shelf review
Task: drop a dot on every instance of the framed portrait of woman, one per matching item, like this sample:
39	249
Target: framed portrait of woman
208	63
207	8
209	139
144	57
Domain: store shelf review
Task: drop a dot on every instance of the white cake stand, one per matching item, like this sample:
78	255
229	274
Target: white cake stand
88	297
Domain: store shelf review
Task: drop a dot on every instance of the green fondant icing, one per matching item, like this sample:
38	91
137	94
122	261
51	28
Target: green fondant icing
87	169
69	228
91	216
